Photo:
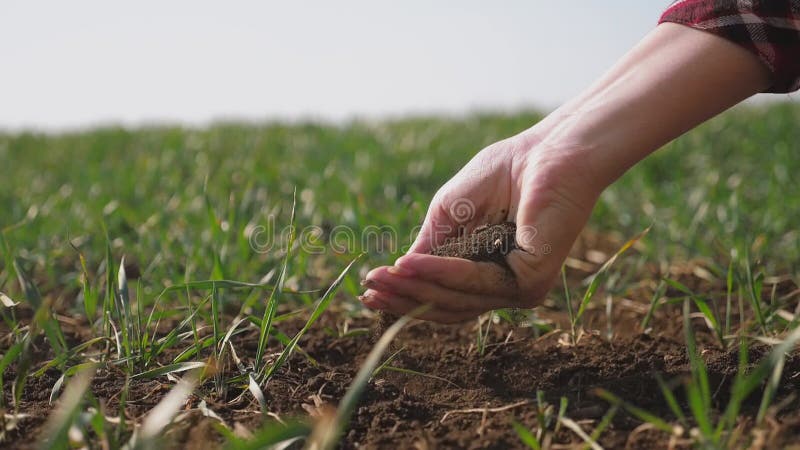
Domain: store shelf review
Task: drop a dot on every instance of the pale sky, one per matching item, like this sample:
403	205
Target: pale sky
68	64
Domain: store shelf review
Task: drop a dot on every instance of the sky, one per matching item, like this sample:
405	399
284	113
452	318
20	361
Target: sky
76	64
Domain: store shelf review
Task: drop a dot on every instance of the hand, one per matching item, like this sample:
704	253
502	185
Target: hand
544	189
548	178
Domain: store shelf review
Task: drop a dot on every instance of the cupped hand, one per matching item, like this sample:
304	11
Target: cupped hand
544	188
548	178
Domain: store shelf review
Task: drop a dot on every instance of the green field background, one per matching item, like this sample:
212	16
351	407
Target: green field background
179	201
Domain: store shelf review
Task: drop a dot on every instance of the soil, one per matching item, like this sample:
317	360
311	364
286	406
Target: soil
470	404
487	243
464	399
490	243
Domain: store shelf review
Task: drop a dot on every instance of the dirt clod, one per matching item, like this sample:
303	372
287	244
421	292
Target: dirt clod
487	243
490	243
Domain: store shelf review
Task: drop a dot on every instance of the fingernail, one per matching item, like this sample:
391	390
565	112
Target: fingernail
401	271
376	285
371	302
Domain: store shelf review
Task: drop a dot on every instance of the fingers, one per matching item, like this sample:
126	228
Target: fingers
427	292
460	274
401	306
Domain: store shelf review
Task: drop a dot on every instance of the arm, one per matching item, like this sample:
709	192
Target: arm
548	178
674	79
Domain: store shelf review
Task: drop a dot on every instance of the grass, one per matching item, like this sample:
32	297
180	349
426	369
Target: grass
545	417
167	242
707	429
597	278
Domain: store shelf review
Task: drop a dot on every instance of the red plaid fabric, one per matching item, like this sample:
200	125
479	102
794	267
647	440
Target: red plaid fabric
768	28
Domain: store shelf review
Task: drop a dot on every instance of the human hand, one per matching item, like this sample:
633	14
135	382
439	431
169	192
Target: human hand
545	189
548	178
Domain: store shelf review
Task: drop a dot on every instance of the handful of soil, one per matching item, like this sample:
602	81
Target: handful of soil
488	243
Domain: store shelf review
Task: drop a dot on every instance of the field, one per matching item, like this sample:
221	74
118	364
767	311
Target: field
196	288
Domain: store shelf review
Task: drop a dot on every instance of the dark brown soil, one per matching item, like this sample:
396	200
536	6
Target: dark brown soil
471	402
465	400
488	243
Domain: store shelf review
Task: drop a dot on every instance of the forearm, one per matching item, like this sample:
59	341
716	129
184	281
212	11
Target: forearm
674	79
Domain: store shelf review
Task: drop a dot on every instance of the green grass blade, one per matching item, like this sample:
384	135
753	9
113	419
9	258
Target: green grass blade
157	347
162	414
697	404
23	366
274	296
207	285
672	402
9	357
697	365
386	363
69	373
754	293
771	388
170	368
481	334
326	434
8	257
604	423
702	305
659	292
269	436
258	394
6	301
55	431
562	410
231	330
526	436
572	425
567	298
125	313
89	294
108	301
729	292
28	288
639	413
603	273
43	314
216	333
320	308
744	385
266	320
71	353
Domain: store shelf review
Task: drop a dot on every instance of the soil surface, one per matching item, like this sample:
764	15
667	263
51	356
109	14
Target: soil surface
460	398
465	400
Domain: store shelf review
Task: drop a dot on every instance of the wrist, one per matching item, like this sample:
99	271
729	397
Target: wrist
563	169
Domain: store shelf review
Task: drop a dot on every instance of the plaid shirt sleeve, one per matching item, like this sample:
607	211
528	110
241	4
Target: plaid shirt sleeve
768	28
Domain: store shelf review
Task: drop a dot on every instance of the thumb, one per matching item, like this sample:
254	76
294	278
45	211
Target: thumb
441	222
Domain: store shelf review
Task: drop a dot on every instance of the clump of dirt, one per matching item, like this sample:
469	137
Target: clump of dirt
487	243
490	243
